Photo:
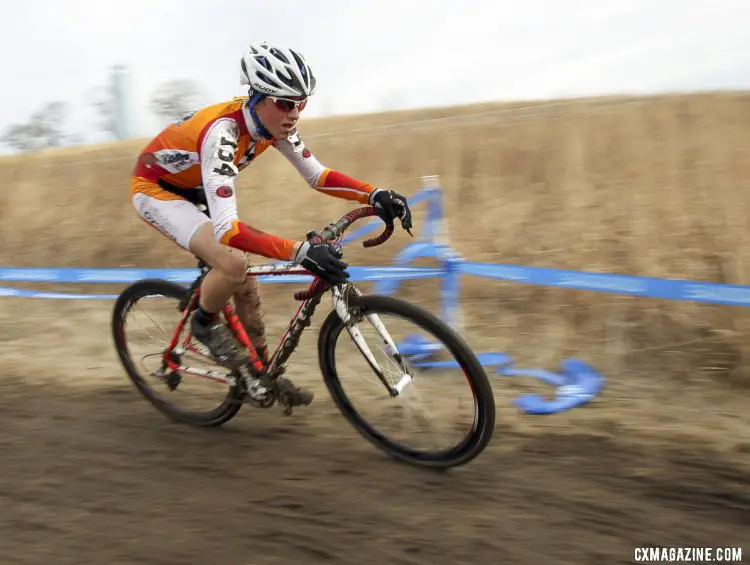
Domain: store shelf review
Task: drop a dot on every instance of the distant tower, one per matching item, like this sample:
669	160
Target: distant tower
122	98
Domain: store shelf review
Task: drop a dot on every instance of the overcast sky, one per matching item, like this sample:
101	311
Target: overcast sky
371	55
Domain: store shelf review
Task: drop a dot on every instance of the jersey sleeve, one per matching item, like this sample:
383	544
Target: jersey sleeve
320	177
217	151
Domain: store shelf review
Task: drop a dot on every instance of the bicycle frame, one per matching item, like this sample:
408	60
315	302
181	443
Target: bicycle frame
310	299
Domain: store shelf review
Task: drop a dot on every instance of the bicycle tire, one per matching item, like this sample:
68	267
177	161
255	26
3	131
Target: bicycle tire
484	423
231	404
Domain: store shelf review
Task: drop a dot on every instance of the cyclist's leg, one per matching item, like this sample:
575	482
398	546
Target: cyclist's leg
249	307
228	277
230	280
228	266
250	311
192	230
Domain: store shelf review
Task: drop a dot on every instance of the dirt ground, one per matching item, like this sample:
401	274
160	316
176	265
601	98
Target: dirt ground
91	473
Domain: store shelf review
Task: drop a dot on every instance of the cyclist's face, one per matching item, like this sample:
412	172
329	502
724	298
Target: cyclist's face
279	116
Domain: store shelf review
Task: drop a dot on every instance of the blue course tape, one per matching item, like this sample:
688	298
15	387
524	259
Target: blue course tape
576	385
418	348
7	291
485	359
579	383
70	275
667	289
408	253
184	276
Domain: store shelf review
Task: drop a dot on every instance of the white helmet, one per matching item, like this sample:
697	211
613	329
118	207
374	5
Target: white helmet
277	71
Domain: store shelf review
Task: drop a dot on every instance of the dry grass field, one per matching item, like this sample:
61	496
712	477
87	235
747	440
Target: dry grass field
654	186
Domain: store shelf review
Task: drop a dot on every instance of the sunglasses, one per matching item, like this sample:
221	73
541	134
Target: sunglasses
287	105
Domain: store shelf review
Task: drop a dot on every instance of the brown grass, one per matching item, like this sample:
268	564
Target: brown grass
646	186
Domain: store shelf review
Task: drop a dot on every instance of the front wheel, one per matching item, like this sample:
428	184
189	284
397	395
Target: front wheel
397	386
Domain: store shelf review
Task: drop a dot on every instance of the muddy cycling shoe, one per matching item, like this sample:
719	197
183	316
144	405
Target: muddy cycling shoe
292	394
221	343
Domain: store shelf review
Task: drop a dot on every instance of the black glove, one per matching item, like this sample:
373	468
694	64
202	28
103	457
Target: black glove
394	205
323	260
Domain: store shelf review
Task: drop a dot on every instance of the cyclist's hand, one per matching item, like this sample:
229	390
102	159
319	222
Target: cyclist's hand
322	260
394	205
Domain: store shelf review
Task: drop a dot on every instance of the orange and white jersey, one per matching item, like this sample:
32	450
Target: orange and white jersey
208	148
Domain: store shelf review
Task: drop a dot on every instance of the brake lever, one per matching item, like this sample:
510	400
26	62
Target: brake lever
408	230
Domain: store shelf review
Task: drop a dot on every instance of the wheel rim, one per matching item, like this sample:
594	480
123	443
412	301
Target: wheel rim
362	409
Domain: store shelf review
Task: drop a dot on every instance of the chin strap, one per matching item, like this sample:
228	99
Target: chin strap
253	100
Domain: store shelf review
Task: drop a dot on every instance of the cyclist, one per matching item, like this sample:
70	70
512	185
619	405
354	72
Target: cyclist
195	161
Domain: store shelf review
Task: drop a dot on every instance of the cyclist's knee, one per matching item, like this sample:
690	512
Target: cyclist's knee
233	265
229	262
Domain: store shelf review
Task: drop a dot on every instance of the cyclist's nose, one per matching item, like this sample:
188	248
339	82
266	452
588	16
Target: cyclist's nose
294	113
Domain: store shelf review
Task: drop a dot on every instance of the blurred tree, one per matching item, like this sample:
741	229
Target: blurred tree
103	101
42	131
175	99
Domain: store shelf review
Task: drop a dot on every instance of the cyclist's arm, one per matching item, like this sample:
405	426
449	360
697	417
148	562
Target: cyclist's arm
320	177
217	151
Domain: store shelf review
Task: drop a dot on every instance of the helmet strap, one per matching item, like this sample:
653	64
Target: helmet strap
254	98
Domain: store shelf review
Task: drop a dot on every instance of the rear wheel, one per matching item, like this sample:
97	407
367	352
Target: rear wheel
166	389
385	314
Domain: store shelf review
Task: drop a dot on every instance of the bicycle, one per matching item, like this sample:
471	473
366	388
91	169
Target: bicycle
254	383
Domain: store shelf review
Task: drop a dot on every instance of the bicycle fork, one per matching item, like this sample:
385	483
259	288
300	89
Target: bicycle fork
340	303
